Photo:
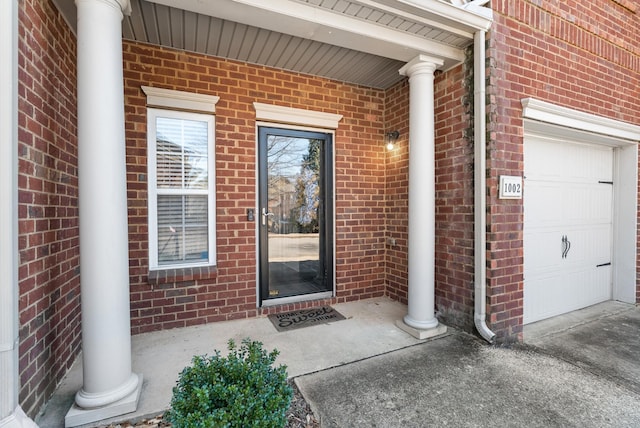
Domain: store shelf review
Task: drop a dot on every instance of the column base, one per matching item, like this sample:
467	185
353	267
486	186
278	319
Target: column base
422	333
78	416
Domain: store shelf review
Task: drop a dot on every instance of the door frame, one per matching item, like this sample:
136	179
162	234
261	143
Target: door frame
572	126
331	219
302	119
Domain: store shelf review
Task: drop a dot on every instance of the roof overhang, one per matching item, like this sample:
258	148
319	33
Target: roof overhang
361	41
309	21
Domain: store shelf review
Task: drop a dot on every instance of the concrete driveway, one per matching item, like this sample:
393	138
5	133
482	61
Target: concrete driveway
578	372
603	339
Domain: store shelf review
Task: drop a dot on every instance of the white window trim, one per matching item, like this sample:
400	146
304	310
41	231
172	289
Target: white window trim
180	100
200	108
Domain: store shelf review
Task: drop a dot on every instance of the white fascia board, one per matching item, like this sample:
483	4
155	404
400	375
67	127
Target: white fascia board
546	112
470	17
321	25
419	15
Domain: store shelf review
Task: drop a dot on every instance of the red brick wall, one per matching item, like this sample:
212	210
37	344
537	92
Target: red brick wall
397	191
48	205
454	195
359	175
583	55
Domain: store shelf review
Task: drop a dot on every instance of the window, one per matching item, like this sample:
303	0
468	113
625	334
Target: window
181	178
181	189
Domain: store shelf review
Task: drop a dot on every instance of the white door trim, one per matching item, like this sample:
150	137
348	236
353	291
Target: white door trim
275	116
545	120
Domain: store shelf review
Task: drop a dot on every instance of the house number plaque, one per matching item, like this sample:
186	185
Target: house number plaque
510	187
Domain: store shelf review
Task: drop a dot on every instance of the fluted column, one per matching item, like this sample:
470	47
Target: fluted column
420	320
109	386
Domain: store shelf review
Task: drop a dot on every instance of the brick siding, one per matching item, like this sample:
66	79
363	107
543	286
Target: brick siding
397	192
580	55
455	195
230	291
49	279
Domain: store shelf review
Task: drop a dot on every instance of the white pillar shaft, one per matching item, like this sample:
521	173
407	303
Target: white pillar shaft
104	256
421	293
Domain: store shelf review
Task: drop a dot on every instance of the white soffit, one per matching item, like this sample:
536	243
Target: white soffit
324	25
180	100
543	111
364	42
296	116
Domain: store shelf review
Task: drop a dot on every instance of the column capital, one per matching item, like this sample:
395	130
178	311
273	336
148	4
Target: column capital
123	5
421	63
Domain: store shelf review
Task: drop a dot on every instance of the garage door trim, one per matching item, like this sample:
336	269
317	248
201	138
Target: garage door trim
547	121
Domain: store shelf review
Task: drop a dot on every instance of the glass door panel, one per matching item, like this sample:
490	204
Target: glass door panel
293	213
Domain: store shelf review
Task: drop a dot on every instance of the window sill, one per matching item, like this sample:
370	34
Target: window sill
166	276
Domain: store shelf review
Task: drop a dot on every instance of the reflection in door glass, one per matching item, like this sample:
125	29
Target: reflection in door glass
295	216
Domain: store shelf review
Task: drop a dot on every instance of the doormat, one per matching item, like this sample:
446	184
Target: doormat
305	318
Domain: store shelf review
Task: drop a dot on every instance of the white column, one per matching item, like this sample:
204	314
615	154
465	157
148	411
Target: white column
420	320
11	415
109	386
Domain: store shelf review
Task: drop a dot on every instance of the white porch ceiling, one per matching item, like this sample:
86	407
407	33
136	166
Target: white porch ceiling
358	41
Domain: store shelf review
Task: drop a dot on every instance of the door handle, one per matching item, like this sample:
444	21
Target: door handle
266	214
566	246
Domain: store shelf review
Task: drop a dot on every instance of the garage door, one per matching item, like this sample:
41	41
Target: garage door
568	228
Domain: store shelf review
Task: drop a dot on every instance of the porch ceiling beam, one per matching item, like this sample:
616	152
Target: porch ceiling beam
324	26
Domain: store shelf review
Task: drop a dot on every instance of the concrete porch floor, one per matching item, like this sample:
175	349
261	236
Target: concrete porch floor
579	369
368	330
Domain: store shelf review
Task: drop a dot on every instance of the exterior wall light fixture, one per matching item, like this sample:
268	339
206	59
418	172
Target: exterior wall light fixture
390	139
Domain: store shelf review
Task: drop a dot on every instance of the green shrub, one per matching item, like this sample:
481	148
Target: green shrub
240	390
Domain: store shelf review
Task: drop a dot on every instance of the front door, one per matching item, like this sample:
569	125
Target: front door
295	217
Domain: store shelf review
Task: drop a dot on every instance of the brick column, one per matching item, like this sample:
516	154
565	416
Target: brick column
109	386
420	320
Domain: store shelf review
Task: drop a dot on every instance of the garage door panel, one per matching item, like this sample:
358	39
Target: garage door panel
547	198
555	204
587	204
584	248
559	292
564	197
543	251
588	246
537	304
538	164
553	160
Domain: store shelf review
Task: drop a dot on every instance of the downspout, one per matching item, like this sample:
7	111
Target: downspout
480	185
11	415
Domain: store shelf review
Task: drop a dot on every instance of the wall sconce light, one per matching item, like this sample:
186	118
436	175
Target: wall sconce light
390	139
